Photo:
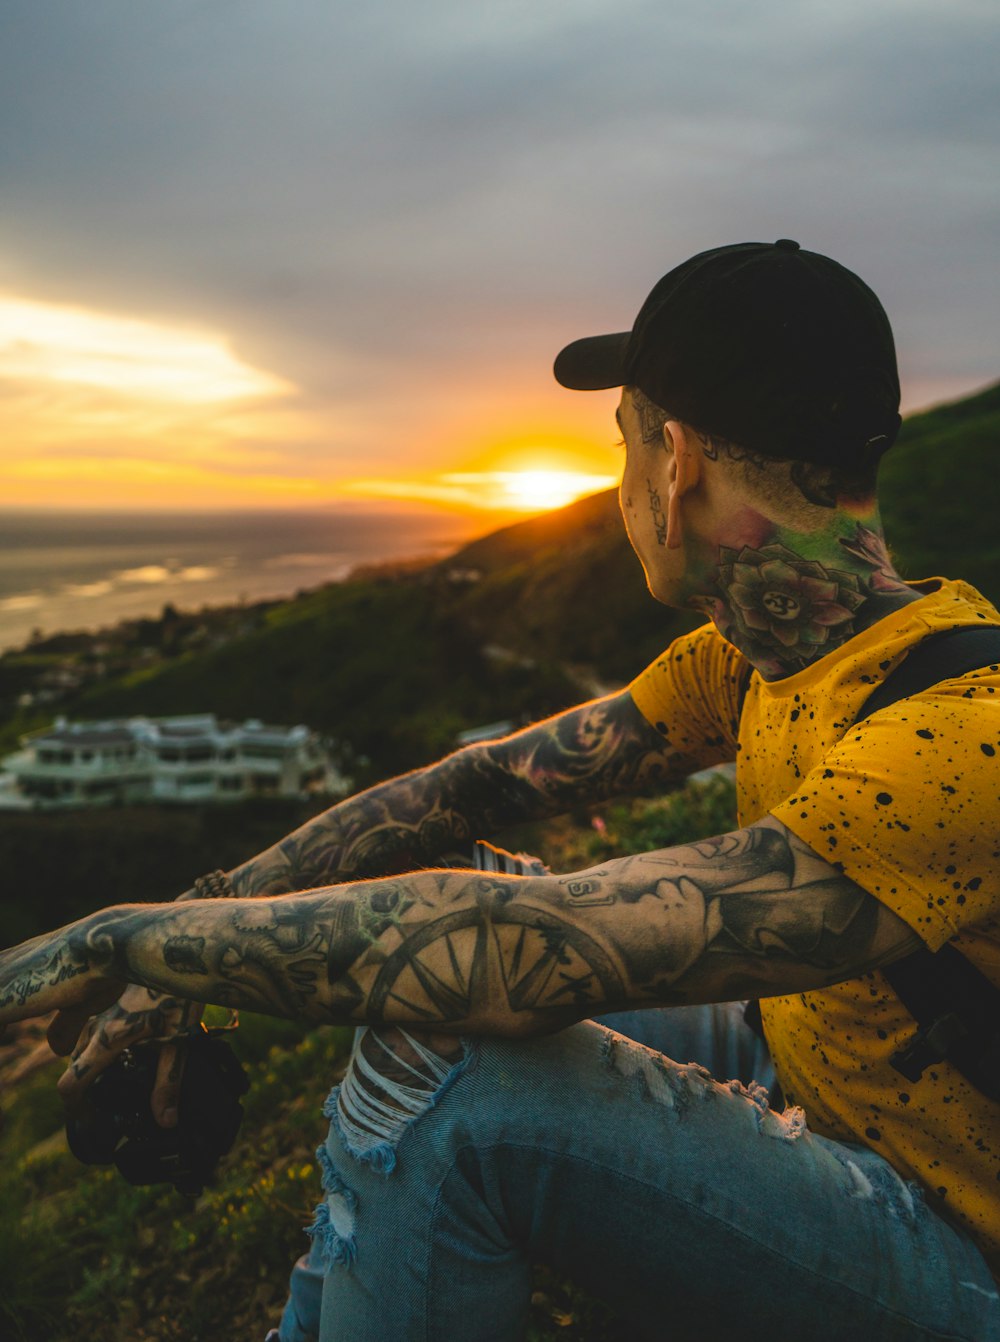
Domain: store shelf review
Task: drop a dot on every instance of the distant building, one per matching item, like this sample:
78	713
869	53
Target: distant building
194	758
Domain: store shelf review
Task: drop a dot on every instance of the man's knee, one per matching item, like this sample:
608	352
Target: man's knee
394	1077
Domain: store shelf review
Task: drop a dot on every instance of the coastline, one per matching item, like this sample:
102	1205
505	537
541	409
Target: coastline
87	575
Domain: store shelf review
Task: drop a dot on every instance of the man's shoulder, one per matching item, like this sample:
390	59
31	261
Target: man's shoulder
691	694
702	644
946	602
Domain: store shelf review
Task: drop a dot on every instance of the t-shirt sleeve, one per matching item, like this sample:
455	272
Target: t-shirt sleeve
691	695
906	804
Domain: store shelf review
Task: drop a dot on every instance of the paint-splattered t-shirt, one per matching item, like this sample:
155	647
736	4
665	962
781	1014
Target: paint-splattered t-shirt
908	804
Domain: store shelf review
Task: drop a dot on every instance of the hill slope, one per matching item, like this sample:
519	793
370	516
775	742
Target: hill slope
567	586
941	492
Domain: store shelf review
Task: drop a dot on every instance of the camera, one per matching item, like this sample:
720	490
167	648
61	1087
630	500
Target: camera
116	1126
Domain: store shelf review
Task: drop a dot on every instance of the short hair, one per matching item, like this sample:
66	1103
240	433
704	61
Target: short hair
778	482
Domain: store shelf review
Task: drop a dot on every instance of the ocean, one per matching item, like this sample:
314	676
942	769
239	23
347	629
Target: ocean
65	571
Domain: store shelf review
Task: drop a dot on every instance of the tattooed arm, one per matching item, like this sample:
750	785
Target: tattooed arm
755	912
600	749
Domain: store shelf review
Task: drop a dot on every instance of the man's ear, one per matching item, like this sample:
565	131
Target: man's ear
683	474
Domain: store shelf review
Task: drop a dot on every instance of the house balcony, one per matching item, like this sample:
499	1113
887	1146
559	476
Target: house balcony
26	764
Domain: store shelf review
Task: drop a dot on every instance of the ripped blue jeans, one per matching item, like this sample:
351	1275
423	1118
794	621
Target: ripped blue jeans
685	1202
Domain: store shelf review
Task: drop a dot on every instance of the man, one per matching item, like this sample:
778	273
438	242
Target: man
474	1131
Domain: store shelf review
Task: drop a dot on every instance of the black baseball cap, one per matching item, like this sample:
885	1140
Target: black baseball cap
780	350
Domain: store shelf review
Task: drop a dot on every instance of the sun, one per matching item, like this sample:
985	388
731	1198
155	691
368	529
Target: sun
538	491
535	489
528	490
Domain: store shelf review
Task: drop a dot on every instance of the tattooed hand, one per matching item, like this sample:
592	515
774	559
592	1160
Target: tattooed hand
97	1031
139	1015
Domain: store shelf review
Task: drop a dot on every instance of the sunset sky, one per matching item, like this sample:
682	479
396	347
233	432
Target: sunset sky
289	253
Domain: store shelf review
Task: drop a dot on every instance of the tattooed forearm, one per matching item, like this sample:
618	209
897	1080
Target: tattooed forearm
56	970
756	912
598	750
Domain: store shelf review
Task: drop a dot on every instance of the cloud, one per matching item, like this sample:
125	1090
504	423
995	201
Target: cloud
43	342
93	396
392	208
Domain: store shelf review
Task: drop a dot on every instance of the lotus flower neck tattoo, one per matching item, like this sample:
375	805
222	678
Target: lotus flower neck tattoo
785	610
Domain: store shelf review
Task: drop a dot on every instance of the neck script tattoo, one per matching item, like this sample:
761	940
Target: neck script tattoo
656	512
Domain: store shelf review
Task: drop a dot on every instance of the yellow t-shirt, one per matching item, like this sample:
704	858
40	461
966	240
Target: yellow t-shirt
908	804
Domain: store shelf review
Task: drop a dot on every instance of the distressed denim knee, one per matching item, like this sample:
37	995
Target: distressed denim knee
393	1079
676	1085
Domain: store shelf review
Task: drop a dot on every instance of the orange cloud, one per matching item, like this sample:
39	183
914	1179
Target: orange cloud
51	343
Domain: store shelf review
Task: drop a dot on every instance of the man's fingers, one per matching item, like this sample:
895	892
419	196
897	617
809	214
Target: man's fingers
104	1040
140	1015
165	1099
77	1077
68	1023
66	1028
167	1087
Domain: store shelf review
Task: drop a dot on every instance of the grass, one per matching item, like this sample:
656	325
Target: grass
82	1254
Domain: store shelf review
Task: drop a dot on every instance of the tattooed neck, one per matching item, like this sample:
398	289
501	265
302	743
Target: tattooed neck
786	599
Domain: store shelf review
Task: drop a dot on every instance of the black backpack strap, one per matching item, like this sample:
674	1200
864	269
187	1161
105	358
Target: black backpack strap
957	1010
938	657
742	689
956	1007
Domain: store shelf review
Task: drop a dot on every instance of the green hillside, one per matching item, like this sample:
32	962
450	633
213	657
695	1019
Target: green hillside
385	667
941	492
567	586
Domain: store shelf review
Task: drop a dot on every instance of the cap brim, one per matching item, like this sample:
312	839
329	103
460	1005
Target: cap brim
593	364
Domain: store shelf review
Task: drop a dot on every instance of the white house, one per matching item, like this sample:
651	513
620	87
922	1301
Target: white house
194	758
